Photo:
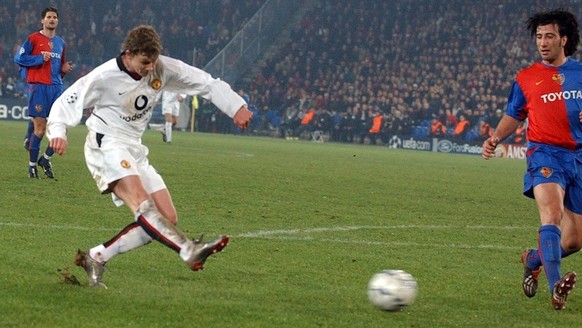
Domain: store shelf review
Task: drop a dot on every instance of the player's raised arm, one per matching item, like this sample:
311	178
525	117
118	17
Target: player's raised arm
243	117
67	111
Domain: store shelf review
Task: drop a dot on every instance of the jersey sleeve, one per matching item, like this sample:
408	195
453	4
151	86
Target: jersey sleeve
516	103
24	57
67	110
193	81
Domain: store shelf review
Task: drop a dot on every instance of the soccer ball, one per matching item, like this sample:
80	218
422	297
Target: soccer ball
392	290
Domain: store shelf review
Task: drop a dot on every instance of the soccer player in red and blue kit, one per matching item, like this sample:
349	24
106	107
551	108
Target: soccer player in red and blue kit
30	127
42	55
549	95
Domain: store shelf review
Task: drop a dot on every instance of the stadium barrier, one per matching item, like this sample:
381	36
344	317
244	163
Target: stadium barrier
14	109
17	110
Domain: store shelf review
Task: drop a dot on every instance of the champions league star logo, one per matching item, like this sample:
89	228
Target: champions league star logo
71	98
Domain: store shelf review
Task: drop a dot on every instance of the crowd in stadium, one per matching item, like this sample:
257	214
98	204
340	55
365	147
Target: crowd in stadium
191	30
408	61
357	71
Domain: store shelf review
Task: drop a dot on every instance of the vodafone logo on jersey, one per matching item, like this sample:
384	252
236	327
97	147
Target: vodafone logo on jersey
141	103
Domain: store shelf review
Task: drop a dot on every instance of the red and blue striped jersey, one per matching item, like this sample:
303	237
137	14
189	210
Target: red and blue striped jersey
30	57
551	99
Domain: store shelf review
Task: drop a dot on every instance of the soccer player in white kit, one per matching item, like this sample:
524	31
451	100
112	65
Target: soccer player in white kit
121	92
171	110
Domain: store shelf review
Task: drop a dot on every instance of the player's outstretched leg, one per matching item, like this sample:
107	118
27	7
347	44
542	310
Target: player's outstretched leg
562	288
199	251
193	252
530	276
93	268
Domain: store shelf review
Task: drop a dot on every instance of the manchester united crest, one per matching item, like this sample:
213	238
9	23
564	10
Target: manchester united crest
156	84
546	172
559	78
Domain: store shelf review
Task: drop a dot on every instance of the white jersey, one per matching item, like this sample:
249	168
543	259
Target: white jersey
122	105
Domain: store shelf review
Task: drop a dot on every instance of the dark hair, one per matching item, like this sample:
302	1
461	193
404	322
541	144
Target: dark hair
143	39
49	9
567	26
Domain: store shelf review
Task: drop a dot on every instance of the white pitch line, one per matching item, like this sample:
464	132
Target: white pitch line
291	234
266	233
394	243
53	226
295	234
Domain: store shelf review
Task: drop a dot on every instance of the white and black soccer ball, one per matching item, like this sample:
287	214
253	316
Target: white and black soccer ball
391	290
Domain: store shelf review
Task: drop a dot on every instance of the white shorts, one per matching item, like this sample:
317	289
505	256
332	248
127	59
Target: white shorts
110	159
172	108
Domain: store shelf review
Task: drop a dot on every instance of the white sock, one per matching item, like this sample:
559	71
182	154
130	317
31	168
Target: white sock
131	237
168	129
161	229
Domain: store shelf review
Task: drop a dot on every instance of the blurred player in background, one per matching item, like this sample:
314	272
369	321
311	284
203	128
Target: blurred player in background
122	92
42	60
548	94
30	125
171	109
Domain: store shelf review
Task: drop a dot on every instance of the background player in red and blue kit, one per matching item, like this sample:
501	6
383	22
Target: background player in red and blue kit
43	57
549	95
30	127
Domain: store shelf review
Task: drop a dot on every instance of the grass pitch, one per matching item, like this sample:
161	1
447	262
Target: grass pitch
310	223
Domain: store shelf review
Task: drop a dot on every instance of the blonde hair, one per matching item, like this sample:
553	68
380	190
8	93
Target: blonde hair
143	39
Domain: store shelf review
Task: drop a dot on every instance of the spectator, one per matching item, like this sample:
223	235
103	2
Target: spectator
461	129
340	48
437	128
306	124
451	119
376	127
